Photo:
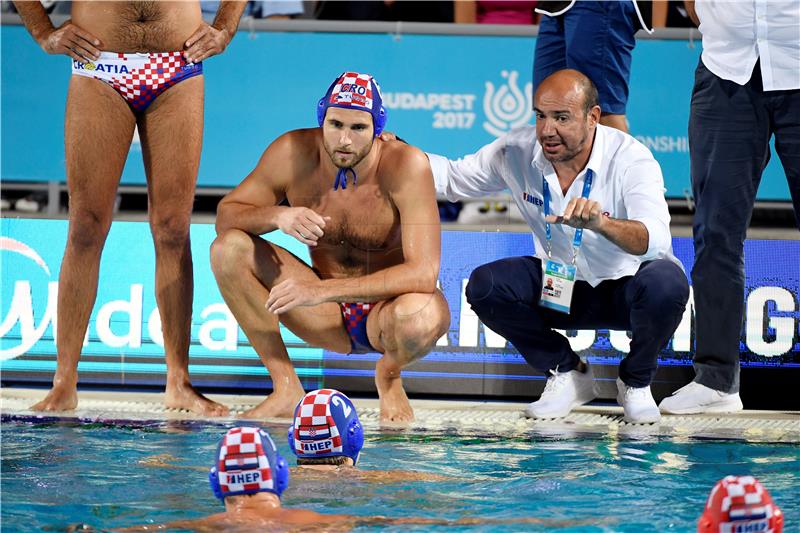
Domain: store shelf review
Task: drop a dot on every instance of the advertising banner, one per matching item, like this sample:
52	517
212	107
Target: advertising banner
124	344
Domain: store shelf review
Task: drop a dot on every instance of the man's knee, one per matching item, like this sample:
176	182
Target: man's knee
88	229
170	231
419	321
662	286
502	282
230	250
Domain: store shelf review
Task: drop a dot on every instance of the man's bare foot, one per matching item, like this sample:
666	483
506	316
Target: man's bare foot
184	396
394	403
60	398
276	405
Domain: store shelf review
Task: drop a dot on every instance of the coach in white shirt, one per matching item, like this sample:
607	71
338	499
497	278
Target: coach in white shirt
747	88
627	278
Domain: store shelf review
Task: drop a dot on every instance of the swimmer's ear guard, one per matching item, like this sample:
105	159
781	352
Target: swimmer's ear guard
326	425
247	462
352	90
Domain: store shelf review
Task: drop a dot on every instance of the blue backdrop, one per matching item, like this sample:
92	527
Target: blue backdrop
445	94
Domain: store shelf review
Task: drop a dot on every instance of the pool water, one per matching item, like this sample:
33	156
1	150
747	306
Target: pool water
60	474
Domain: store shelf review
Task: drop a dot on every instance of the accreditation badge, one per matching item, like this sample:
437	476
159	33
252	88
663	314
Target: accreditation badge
557	284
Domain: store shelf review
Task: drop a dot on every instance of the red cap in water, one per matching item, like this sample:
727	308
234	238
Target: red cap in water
740	504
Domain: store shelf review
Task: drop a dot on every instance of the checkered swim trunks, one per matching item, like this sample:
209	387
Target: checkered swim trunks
139	78
355	320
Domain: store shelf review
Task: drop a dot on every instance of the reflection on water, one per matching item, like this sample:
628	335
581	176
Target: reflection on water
112	476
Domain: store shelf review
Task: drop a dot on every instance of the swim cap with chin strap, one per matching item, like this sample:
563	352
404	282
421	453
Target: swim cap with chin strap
326	425
739	504
352	90
247	462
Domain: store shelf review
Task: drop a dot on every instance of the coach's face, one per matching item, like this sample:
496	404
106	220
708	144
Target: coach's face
563	126
347	135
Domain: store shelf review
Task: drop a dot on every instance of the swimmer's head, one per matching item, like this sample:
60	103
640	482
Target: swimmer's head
355	91
326	426
740	503
247	462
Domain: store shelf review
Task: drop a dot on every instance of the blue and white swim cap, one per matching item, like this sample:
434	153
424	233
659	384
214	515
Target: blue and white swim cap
247	462
326	425
352	90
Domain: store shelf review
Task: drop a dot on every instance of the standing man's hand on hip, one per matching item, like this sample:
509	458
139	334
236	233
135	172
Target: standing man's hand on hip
205	42
73	41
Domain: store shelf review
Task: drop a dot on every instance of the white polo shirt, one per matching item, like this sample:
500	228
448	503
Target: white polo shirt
737	33
627	184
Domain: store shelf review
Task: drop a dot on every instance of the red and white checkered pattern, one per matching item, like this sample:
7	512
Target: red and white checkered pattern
313	421
353	89
355	312
242	452
740	503
148	74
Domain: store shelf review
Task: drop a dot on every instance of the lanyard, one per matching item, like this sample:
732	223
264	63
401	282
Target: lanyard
576	241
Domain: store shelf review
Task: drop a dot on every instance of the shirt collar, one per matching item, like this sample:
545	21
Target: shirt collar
595	158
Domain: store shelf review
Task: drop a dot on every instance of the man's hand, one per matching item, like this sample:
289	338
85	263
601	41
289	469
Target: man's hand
303	224
205	42
292	293
580	213
73	41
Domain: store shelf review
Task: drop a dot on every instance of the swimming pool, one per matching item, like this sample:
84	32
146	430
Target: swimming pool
61	473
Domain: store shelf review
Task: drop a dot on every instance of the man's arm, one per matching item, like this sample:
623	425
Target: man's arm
68	39
210	40
630	235
475	175
645	232
253	205
413	195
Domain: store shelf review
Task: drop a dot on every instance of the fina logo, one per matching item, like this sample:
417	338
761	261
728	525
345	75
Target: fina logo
21	308
507	107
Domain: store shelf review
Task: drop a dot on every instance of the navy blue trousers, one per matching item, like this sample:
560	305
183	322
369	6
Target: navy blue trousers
505	296
730	126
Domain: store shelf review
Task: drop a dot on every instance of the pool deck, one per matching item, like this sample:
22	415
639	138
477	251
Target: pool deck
469	417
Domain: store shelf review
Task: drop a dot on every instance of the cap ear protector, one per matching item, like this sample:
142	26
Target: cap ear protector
326	425
250	463
349	83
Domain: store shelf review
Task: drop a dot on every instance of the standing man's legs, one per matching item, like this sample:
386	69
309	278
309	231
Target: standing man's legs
785	108
171	131
97	134
600	41
729	147
551	51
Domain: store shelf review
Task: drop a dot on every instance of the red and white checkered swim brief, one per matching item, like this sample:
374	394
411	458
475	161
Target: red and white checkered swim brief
139	78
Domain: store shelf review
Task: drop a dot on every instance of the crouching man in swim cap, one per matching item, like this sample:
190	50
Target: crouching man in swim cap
366	208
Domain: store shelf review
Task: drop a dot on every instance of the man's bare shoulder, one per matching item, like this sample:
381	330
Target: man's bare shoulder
299	142
296	151
403	161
